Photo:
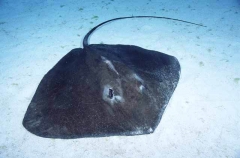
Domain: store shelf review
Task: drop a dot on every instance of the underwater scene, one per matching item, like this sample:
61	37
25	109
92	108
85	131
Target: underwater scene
119	79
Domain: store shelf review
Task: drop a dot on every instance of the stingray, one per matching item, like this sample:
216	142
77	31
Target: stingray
104	90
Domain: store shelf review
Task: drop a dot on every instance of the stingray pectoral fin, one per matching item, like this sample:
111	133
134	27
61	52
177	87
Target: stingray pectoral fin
83	96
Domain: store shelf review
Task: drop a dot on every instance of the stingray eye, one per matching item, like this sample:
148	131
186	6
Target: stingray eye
110	93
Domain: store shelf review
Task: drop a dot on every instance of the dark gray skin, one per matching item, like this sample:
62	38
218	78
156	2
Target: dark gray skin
73	101
103	90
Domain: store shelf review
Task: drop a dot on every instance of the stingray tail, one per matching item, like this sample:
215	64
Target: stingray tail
85	40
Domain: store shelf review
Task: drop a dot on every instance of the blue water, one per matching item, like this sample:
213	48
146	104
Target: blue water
202	118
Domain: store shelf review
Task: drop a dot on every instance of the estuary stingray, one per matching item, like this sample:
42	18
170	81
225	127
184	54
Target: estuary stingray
103	90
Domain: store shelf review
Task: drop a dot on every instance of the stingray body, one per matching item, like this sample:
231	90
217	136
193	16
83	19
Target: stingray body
103	90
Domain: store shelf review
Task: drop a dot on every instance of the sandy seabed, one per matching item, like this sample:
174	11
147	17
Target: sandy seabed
202	117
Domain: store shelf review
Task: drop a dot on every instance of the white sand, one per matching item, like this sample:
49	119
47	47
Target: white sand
202	118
